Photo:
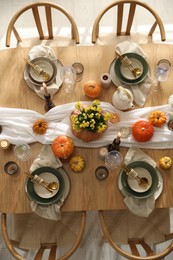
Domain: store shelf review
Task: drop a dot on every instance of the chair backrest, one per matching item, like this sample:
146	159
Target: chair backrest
121	14
39	21
135	233
34	229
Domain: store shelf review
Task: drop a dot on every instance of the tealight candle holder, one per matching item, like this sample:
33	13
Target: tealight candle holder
4	144
11	168
105	80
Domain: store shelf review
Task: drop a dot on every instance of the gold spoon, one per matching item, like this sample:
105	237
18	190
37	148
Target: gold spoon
49	186
142	181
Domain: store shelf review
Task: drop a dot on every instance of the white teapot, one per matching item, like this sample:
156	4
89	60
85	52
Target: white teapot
122	99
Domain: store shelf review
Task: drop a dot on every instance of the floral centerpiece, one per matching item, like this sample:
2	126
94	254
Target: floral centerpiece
89	122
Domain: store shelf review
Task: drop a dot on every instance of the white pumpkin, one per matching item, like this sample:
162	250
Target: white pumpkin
170	100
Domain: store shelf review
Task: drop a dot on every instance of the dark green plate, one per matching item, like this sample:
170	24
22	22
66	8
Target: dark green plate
29	186
118	64
154	176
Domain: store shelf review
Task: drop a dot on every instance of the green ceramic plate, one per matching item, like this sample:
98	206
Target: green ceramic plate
152	171
118	69
29	186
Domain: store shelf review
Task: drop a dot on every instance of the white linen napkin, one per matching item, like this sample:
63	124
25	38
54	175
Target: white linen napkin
140	91
47	52
47	158
140	207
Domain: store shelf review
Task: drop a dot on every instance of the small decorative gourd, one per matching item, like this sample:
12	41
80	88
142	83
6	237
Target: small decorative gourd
40	126
142	131
77	163
157	118
92	89
165	162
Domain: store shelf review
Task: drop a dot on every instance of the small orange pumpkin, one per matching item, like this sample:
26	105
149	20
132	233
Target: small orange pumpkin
142	131
92	89
63	147
40	126
157	118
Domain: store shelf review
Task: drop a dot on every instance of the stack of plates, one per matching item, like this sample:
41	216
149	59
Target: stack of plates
47	65
38	193
120	71
131	186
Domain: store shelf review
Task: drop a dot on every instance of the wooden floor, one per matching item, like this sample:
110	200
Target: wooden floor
84	13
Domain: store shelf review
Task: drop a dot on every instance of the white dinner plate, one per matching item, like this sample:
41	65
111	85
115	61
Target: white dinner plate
43	192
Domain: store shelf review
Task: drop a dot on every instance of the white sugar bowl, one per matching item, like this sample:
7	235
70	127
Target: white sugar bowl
122	99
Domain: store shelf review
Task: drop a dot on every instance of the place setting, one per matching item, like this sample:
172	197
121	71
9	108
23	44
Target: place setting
47	184
131	70
139	179
42	66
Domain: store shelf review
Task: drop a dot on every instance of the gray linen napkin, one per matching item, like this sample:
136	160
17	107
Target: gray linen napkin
47	158
140	207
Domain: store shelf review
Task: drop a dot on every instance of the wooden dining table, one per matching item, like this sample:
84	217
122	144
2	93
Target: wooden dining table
87	192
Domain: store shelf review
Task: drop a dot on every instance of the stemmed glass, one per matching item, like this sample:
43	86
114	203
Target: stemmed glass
113	160
161	74
68	76
22	152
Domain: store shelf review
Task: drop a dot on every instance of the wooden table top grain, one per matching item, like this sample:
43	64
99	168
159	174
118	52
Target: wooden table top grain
87	193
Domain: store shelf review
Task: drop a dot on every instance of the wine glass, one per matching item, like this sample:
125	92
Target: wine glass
68	76
22	152
161	73
113	159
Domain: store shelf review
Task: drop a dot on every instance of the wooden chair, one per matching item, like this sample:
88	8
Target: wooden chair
126	12
31	232
132	236
43	22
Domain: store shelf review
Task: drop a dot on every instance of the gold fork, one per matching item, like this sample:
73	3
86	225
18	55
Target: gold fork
38	70
127	62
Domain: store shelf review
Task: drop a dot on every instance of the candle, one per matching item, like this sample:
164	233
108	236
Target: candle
45	89
117	140
4	144
105	80
102	153
114	118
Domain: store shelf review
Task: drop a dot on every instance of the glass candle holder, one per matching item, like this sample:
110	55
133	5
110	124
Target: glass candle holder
79	69
11	168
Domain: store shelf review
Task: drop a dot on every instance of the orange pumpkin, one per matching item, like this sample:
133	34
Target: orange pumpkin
92	89
63	147
157	118
142	131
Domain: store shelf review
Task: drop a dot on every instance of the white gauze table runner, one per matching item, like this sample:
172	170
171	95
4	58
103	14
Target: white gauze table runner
17	126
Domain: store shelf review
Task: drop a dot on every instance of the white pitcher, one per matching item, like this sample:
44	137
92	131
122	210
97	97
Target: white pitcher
122	99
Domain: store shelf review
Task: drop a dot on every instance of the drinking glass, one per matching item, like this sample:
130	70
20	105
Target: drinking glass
79	69
113	159
68	76
161	73
22	152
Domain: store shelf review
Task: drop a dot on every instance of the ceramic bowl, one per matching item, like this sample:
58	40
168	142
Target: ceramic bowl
45	64
131	188
124	75
40	195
